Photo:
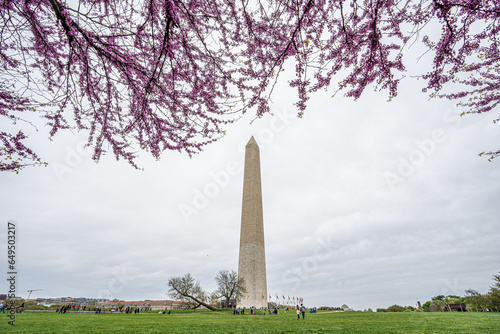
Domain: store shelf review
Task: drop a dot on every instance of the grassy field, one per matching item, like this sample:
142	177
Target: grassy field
225	322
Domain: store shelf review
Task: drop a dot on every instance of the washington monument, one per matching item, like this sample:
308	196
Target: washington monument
252	262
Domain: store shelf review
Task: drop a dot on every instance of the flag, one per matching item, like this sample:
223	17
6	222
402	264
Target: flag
270	297
277	297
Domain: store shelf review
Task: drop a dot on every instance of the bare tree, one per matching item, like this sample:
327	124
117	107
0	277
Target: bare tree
186	289
229	285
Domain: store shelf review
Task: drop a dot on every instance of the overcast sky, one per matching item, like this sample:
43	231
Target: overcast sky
366	203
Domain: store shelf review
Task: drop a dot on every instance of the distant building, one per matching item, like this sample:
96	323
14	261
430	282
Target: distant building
68	300
346	308
455	307
102	300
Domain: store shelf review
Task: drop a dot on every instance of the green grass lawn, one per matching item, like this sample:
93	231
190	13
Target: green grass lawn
202	321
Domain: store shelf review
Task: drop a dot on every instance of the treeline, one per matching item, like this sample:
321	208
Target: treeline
473	301
443	303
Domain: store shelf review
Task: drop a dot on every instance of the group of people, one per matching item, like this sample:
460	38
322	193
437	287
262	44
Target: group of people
128	310
76	308
19	309
238	311
65	308
253	311
301	309
275	311
331	308
69	307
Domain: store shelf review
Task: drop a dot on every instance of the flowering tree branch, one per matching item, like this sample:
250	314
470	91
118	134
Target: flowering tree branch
159	75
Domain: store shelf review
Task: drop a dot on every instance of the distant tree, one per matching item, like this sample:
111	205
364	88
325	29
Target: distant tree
426	306
230	286
453	296
381	310
447	301
475	301
159	75
395	308
273	305
439	297
437	305
495	292
487	303
215	299
188	290
369	310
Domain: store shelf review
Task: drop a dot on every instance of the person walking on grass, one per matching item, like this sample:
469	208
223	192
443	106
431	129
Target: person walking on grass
303	310
298	312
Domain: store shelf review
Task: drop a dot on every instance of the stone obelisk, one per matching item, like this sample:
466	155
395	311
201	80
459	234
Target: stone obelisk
252	262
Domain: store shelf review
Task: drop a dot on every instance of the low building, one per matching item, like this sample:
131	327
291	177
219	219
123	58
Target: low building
455	307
